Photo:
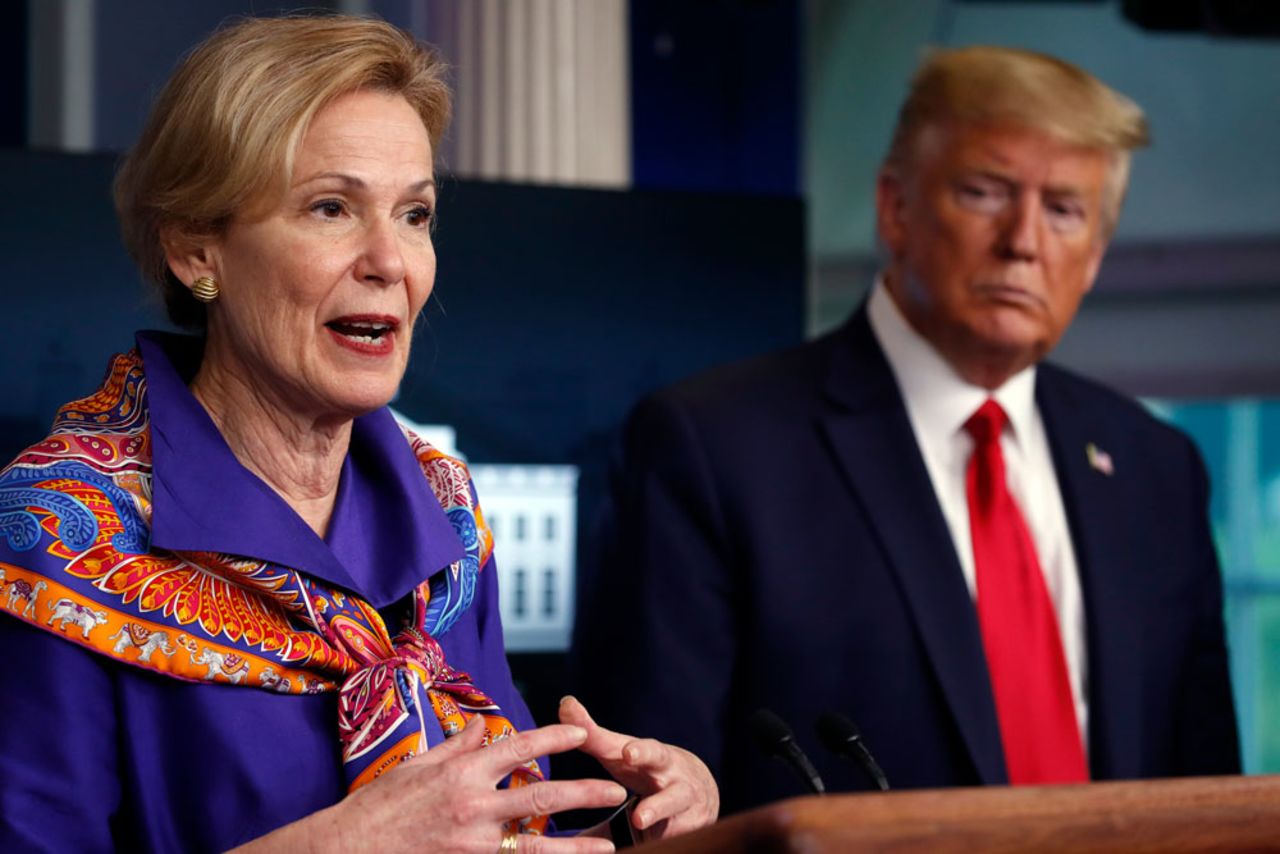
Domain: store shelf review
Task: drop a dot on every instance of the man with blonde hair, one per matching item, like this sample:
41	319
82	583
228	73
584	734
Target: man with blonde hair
1001	571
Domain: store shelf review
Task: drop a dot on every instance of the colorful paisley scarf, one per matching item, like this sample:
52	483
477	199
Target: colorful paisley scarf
75	513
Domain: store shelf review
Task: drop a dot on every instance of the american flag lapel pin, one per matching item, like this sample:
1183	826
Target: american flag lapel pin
1099	459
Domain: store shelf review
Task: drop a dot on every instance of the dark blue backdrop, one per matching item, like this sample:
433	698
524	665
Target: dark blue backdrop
554	308
716	94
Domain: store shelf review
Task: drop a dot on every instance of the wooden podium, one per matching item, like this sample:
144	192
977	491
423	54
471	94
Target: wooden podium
1190	814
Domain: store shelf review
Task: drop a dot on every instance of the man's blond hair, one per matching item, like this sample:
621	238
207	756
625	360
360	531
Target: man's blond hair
1008	87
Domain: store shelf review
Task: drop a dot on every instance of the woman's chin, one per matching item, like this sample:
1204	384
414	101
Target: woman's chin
364	404
355	396
363	389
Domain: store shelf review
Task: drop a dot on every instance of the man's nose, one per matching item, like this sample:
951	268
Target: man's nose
381	257
1020	230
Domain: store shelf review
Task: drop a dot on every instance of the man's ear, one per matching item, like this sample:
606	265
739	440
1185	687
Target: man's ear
891	211
189	256
1095	263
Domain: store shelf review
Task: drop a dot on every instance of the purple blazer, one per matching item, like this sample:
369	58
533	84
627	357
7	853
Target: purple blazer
96	755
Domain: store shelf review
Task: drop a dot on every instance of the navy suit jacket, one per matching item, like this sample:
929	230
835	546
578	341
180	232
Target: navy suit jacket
775	542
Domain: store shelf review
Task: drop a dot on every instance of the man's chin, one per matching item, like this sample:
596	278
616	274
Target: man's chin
997	353
1011	329
1011	358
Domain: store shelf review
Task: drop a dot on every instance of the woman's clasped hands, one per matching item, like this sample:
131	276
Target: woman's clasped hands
448	799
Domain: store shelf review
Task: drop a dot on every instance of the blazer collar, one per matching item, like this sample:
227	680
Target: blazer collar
872	440
388	532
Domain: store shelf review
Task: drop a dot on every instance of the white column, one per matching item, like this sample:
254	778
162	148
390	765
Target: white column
604	93
494	120
542	89
564	58
465	134
541	118
516	142
60	104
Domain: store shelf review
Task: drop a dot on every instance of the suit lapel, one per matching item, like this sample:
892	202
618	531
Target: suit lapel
1095	512
872	440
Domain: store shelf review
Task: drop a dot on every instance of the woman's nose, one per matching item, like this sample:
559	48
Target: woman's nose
381	257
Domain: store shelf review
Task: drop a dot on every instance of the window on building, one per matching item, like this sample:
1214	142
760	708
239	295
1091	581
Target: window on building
549	593
1240	441
549	529
520	527
521	593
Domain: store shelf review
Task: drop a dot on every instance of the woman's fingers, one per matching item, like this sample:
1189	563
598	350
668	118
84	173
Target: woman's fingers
505	755
647	754
555	796
563	845
681	794
604	744
469	740
676	802
449	796
573	712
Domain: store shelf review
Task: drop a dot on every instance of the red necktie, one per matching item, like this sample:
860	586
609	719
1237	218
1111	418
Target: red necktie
1019	628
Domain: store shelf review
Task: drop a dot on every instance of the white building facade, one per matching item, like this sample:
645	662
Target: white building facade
532	511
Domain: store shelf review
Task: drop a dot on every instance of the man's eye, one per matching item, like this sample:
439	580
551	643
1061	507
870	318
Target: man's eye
1064	216
982	198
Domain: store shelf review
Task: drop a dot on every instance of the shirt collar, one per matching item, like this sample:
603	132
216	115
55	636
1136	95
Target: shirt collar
388	532
935	393
388	527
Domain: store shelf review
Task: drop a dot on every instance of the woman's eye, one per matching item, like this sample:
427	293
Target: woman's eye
419	217
329	208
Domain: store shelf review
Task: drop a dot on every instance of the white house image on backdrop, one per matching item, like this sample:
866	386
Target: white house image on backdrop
532	511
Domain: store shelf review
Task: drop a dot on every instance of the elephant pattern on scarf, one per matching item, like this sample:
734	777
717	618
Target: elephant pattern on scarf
270	679
147	641
67	611
229	665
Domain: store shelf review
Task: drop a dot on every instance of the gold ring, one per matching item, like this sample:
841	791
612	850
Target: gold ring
509	842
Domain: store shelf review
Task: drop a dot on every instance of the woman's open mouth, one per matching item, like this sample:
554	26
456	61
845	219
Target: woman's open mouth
373	336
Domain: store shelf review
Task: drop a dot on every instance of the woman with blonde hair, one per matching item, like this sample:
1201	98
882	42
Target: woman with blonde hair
255	610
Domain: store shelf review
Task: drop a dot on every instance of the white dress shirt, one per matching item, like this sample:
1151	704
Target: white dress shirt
939	403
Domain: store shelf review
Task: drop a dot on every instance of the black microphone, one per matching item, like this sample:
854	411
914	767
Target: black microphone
839	735
776	739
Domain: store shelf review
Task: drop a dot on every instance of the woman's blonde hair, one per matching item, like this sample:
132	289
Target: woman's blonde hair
985	85
222	135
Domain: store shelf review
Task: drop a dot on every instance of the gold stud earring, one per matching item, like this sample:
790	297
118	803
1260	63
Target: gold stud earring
205	289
